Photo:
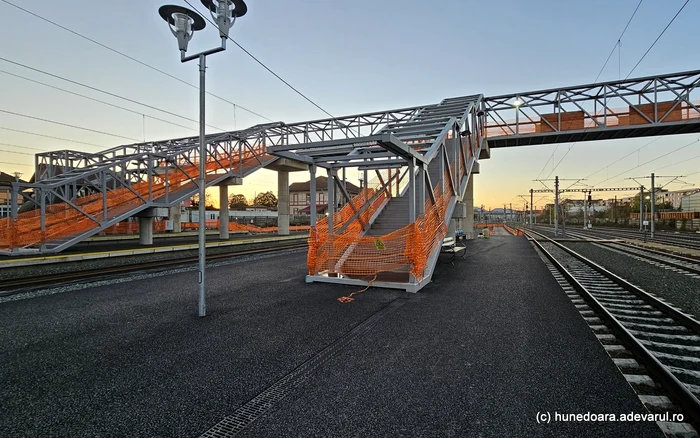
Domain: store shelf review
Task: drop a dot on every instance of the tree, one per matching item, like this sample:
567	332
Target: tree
237	202
194	201
268	199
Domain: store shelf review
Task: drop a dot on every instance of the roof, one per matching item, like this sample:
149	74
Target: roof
321	184
7	178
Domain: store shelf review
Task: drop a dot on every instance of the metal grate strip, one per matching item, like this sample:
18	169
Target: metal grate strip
249	412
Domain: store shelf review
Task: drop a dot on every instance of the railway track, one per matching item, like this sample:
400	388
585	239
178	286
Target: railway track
677	263
13	286
660	337
691	241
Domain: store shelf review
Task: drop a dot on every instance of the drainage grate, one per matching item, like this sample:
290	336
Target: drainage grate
256	407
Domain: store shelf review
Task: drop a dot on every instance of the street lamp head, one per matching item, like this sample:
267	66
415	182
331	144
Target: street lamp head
223	15
183	23
517	102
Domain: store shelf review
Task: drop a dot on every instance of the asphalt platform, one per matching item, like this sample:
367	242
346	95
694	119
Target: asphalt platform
489	344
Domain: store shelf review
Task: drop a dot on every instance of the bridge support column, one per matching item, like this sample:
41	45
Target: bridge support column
223	212
176	217
146	230
469	202
283	202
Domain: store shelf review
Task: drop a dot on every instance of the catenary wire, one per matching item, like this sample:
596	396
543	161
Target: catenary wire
264	66
95	100
657	38
130	58
596	80
68	125
50	136
651	161
618	40
21	147
104	92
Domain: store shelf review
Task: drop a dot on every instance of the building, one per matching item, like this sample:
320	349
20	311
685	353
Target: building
300	195
6	180
258	207
691	202
674	198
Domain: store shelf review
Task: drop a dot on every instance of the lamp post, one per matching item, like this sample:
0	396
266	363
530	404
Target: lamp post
645	213
183	24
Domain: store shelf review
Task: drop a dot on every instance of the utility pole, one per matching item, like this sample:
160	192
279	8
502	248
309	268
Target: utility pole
591	215
556	206
653	204
511	212
653	197
585	210
504	213
641	206
531	208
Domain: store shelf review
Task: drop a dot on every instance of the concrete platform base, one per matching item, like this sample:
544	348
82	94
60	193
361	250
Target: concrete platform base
484	350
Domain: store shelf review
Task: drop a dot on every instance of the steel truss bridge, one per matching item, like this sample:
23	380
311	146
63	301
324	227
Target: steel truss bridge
422	159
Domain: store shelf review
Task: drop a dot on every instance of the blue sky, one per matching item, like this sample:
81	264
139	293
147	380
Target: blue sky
350	57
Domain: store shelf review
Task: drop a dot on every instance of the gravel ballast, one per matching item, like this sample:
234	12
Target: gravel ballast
680	290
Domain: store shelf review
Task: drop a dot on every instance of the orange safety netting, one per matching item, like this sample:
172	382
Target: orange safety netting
404	250
131	227
63	220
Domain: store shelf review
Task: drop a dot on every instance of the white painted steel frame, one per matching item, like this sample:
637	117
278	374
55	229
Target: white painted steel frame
600	104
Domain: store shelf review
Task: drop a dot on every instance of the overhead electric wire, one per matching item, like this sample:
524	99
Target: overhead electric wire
130	58
618	40
620	159
50	136
263	65
657	38
15	164
104	92
95	100
596	80
15	152
651	161
21	147
68	125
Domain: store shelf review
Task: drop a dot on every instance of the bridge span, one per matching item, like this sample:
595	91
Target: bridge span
418	162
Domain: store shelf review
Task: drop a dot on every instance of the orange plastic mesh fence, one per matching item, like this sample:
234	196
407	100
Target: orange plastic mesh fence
131	227
63	220
404	250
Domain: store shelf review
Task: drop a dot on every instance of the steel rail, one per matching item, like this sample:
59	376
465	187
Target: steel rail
675	387
639	253
688	241
14	286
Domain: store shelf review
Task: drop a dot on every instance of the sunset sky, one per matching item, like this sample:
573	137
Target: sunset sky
349	57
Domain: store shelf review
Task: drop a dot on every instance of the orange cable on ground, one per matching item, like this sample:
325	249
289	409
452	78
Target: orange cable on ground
350	299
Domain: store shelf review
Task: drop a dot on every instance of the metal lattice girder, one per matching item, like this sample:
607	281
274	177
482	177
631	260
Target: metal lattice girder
652	105
407	134
87	187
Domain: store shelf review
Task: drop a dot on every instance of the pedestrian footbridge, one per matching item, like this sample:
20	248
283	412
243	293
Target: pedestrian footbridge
418	166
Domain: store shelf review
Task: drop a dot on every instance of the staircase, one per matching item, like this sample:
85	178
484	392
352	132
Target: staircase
75	204
393	249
